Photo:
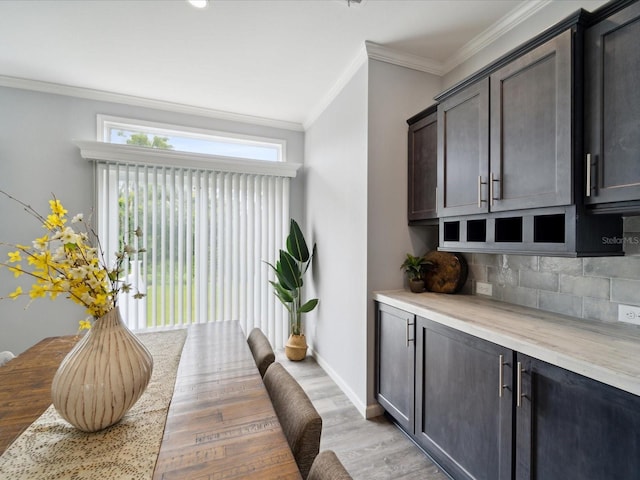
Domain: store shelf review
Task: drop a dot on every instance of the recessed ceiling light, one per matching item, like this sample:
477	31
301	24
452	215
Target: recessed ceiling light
199	3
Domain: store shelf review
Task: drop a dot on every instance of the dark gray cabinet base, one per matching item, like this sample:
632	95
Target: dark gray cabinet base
395	363
572	427
463	402
485	412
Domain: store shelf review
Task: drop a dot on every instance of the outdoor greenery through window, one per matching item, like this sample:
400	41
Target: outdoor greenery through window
182	139
207	236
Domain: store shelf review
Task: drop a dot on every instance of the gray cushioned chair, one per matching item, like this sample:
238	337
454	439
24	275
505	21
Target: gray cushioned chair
261	350
301	423
327	466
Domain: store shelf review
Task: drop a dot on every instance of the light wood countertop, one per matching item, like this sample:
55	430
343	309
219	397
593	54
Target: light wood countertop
609	353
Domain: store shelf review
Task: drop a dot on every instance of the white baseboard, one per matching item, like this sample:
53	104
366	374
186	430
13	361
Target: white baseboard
367	411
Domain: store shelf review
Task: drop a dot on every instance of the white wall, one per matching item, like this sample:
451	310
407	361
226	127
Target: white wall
395	94
356	204
335	174
38	158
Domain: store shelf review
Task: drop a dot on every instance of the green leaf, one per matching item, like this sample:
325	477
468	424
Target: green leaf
310	305
288	272
283	294
296	244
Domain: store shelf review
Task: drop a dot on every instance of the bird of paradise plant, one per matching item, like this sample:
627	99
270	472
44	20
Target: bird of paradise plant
289	269
64	261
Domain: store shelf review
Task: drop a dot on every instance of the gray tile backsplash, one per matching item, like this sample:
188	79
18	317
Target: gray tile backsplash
589	288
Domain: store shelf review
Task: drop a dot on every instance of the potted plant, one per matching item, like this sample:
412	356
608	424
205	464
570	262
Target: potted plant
289	269
415	268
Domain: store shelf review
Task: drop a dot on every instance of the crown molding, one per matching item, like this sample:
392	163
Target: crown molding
371	50
402	59
104	96
493	33
359	60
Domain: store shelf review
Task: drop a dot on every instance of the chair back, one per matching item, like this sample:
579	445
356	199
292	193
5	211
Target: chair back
261	350
327	466
301	423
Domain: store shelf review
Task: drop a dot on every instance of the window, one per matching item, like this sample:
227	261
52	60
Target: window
124	131
208	233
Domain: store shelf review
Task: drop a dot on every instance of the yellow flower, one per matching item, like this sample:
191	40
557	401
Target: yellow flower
16	293
41	243
57	208
17	270
38	291
54	221
85	324
63	261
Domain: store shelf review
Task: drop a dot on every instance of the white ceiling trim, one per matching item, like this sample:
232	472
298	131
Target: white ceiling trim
396	57
136	155
359	60
368	50
104	96
493	33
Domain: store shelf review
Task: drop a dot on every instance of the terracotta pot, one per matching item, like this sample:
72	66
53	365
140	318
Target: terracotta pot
296	347
416	286
103	376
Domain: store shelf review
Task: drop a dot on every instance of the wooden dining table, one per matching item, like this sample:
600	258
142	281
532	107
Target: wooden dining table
220	424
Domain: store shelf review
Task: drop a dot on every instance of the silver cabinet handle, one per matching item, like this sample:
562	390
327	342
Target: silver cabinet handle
519	394
492	197
409	324
501	385
588	174
480	183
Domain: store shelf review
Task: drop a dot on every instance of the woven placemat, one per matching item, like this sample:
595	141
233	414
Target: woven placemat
52	449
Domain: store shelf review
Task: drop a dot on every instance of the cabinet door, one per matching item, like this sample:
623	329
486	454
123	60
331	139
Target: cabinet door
463	402
531	129
572	427
612	108
463	151
395	354
423	164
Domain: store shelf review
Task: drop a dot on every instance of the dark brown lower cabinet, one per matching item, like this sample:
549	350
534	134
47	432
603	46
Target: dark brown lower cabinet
395	353
463	402
571	427
485	412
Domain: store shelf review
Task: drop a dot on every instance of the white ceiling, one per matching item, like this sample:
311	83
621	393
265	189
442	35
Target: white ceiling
274	59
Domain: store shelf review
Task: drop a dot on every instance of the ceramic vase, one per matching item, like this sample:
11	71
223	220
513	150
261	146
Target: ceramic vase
103	376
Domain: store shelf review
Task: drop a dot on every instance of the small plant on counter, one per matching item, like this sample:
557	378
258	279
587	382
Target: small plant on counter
415	268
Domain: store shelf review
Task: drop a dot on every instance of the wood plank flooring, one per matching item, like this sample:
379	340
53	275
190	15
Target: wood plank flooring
369	449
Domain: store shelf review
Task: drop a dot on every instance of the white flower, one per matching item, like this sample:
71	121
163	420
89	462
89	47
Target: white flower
77	218
67	235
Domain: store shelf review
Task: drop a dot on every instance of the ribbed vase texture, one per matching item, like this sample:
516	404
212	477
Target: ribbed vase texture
103	376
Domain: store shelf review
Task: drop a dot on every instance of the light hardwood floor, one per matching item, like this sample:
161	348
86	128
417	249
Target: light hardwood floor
369	449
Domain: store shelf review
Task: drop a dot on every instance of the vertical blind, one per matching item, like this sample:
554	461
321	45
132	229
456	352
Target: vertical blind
207	236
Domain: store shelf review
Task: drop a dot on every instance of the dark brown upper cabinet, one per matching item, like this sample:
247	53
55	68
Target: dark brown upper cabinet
510	141
531	129
612	113
422	167
513	151
463	151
